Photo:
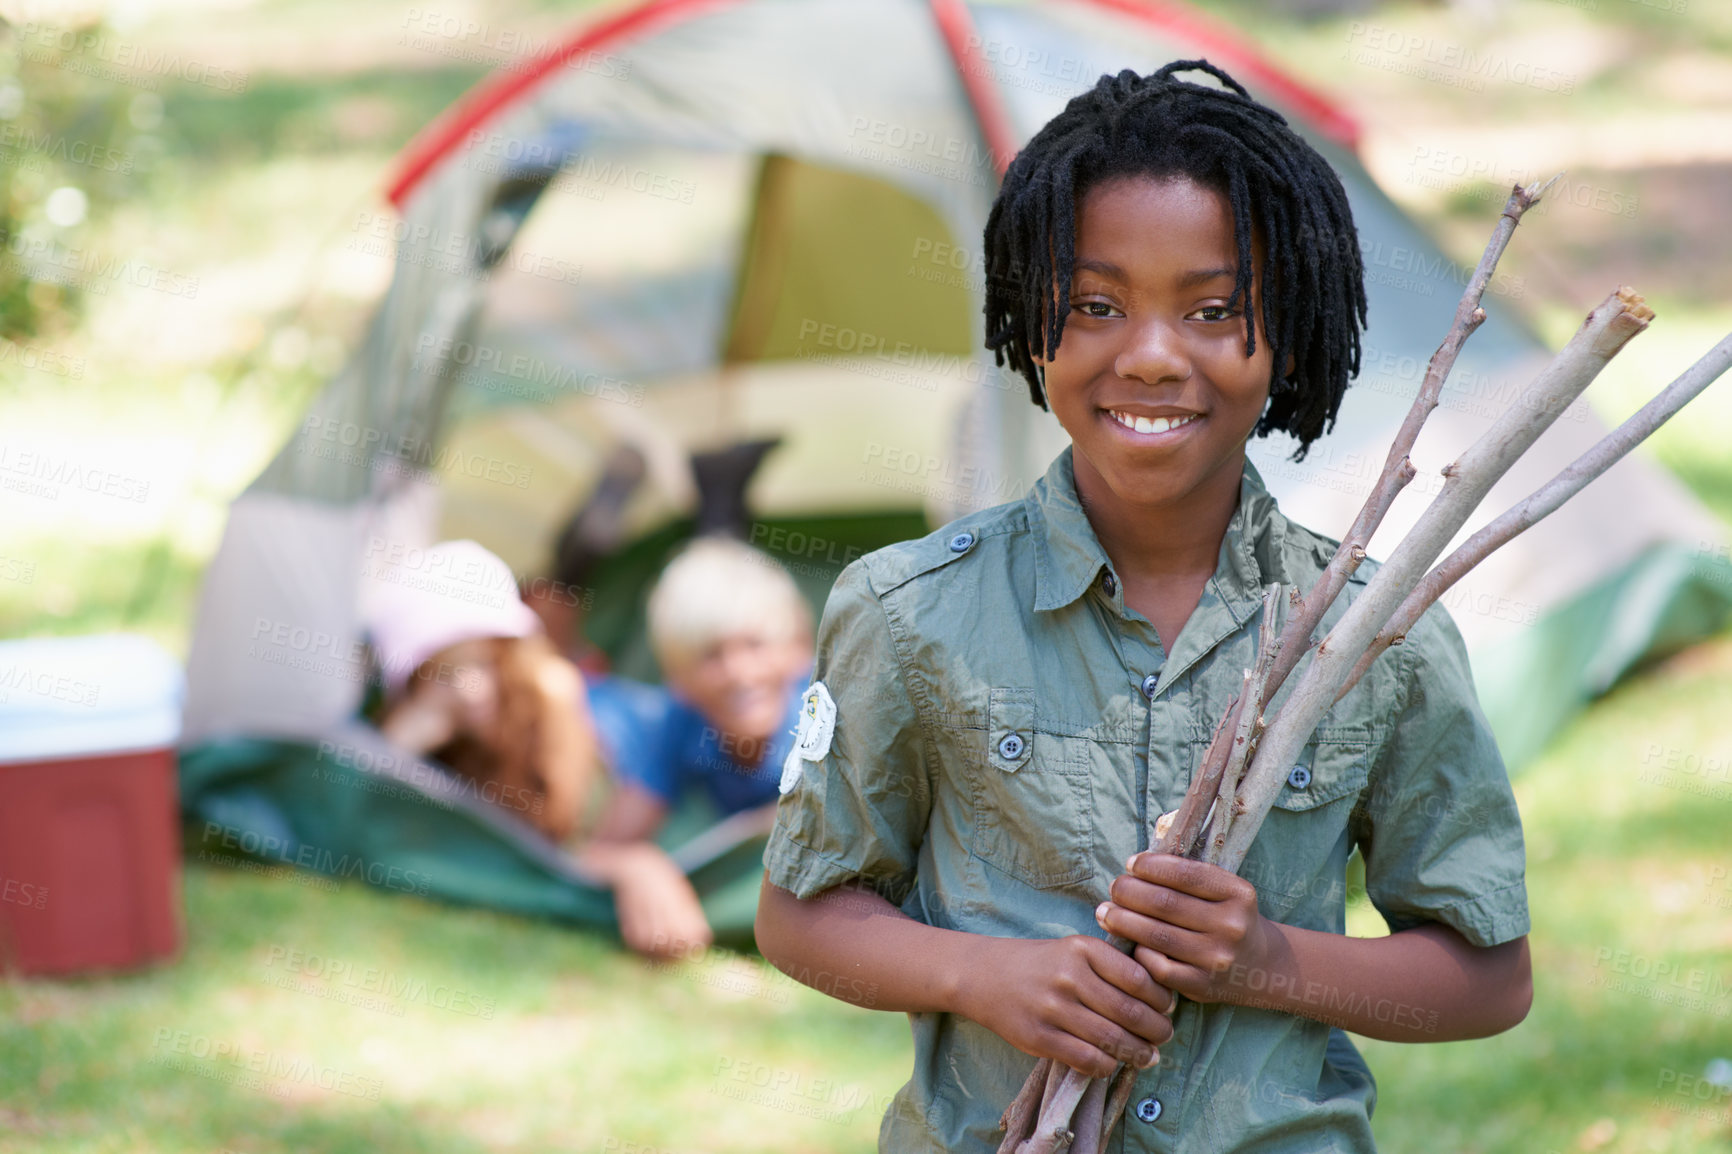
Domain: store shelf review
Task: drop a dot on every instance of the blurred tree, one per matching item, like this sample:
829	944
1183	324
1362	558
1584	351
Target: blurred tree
70	146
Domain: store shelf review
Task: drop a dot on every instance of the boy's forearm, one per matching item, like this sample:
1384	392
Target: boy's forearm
1426	984
855	945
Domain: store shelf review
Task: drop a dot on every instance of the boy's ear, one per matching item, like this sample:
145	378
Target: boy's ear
1292	363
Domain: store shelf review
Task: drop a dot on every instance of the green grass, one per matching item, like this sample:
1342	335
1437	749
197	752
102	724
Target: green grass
560	1042
1617	862
587	1049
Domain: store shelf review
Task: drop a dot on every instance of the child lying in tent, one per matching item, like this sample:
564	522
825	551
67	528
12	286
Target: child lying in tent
472	681
734	640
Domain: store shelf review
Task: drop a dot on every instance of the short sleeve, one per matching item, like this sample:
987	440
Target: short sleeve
634	724
1438	826
859	812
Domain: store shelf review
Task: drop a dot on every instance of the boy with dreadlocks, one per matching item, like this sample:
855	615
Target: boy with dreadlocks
1002	707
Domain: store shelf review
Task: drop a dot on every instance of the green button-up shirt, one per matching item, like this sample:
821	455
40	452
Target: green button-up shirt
995	759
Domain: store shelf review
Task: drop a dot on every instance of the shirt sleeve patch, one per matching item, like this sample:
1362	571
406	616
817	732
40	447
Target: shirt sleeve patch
812	738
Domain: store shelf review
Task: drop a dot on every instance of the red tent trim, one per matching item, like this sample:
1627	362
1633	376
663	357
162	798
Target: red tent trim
957	25
502	88
955	22
1249	66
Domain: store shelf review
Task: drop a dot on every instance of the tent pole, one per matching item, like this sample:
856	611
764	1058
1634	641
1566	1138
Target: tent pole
956	24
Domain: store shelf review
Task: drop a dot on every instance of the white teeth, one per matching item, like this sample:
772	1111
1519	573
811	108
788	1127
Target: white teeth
1151	424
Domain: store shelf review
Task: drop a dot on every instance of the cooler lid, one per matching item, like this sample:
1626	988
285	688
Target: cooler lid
71	696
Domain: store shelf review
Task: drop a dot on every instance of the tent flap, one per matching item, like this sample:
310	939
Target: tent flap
1533	682
352	809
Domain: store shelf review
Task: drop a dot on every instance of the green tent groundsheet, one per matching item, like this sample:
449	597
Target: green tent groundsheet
353	809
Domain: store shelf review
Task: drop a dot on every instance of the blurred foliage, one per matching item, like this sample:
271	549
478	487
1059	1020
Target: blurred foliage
72	142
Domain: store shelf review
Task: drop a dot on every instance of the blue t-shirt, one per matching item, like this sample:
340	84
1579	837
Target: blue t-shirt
653	739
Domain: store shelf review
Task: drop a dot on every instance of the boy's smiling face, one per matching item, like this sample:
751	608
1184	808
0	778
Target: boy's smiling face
1150	379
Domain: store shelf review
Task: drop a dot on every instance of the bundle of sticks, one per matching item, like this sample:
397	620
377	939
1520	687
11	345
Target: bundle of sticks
1246	763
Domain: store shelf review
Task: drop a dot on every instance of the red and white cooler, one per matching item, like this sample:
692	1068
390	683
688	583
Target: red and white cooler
89	828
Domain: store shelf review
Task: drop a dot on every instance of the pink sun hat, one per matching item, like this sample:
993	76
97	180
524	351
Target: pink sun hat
426	600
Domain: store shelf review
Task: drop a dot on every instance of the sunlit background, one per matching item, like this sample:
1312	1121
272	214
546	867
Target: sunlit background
174	291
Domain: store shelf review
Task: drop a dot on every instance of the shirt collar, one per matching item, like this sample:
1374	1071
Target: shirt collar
1069	557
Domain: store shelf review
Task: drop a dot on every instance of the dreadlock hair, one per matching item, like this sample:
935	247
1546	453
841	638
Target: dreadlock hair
1280	190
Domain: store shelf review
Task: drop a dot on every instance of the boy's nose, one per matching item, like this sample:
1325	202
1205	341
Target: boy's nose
1154	352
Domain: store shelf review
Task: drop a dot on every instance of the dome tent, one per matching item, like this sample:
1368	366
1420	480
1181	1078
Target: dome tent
697	222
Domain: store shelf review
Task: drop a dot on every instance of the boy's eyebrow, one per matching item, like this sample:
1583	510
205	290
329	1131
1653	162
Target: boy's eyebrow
1204	275
1104	267
1194	277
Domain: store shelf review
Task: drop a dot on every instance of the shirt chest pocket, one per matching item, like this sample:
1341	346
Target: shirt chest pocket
1327	769
1298	859
1031	796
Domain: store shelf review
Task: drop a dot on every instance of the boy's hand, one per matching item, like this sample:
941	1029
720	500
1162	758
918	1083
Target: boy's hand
659	914
1076	1000
1195	924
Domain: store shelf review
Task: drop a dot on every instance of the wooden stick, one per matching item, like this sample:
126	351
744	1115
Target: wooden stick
1118	1097
1058	1102
1058	1106
1545	500
1187	827
1295	637
1089	1113
1019	1116
1397	468
1250	725
1608	328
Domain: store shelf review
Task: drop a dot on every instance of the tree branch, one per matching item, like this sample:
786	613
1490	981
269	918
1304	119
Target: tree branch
1545	500
1608	328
